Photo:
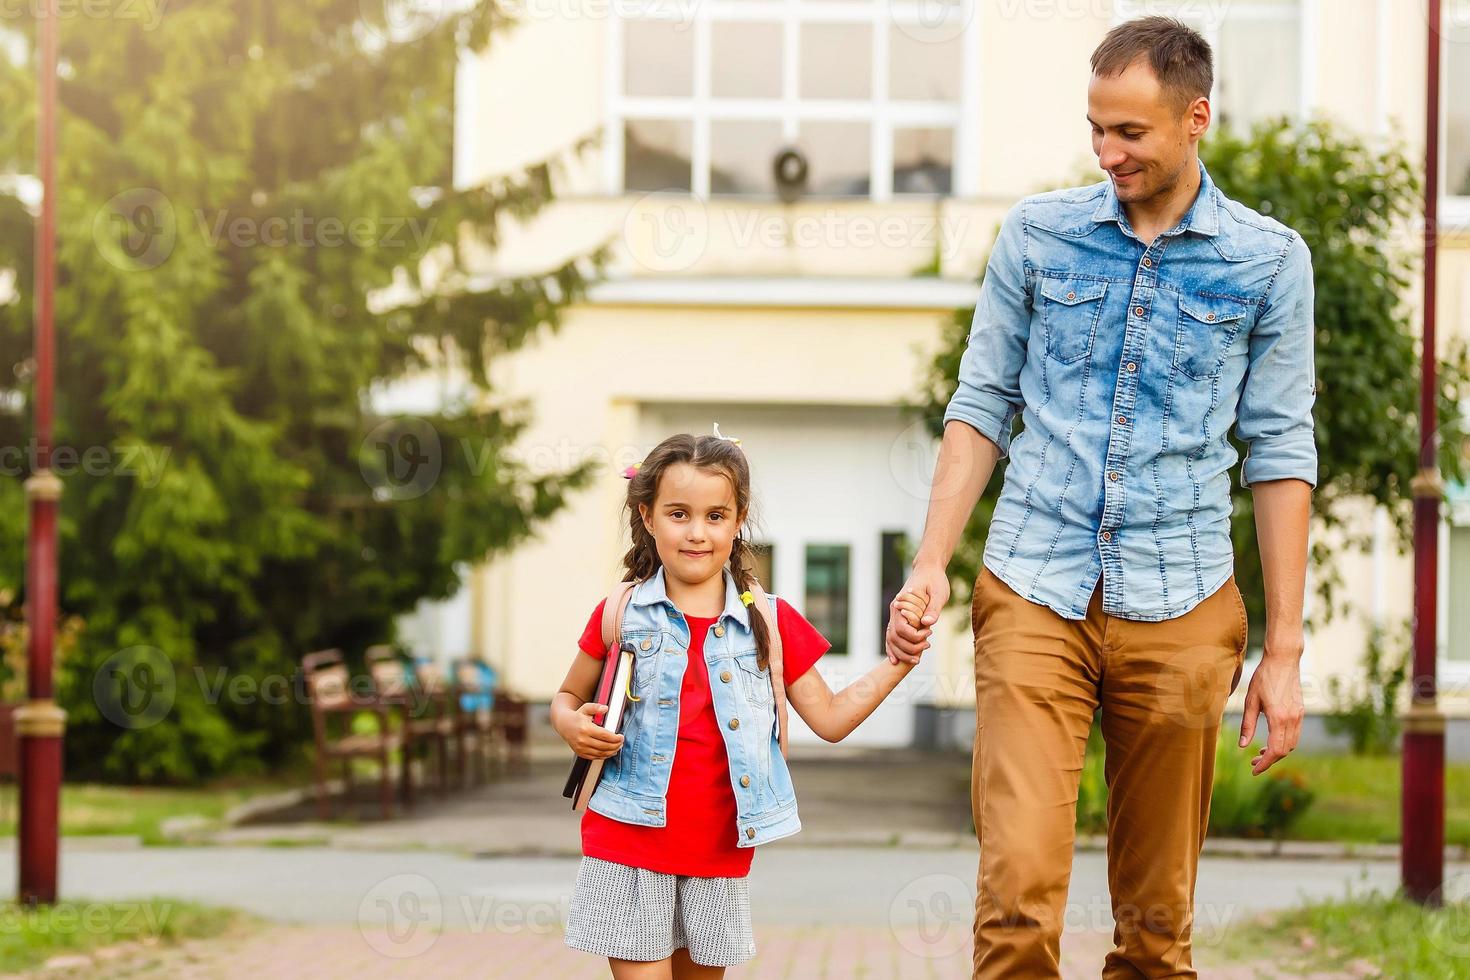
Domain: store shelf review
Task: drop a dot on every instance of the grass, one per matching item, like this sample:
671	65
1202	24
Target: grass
30	936
89	809
1358	798
1393	936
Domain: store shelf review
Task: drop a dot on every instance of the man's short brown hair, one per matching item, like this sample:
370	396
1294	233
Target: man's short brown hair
1178	54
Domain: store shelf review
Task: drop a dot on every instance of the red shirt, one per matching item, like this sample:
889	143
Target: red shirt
700	830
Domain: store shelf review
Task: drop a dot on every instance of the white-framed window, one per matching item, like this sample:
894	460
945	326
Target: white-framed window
1263	55
1454	140
877	95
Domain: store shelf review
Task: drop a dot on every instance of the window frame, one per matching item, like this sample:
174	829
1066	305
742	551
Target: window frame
883	115
1454	209
1306	12
806	554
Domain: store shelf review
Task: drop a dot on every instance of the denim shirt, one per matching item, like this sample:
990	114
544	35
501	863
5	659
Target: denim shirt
635	781
1128	365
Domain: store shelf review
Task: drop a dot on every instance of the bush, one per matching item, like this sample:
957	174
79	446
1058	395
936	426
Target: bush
1241	805
1368	715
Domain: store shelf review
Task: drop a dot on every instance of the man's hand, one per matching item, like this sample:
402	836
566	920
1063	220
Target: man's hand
905	643
1276	689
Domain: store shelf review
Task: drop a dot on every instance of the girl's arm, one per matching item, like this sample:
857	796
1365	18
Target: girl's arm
836	716
571	713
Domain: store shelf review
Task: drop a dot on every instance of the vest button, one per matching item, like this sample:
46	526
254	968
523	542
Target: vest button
744	780
734	723
646	644
749	831
725	676
719	631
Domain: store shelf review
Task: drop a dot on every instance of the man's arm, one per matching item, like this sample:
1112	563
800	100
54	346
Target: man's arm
977	430
1283	512
1280	469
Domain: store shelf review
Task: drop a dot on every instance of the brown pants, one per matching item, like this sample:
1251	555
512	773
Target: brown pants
1039	678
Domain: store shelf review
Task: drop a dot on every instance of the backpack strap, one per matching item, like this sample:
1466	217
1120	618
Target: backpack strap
612	613
765	607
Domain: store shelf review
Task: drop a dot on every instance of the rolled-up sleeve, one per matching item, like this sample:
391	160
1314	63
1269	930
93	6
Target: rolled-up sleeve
1275	418
988	395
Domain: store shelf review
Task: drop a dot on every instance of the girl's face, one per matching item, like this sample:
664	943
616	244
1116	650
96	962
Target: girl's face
693	521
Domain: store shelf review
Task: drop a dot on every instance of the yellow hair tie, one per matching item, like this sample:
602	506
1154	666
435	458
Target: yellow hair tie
747	598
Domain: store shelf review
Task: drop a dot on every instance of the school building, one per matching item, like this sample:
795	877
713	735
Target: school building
802	327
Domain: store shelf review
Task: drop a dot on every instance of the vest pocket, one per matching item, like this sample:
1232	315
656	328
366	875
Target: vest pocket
646	646
757	682
1070	310
1208	326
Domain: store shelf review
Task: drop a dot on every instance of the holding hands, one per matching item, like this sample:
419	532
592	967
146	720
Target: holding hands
912	615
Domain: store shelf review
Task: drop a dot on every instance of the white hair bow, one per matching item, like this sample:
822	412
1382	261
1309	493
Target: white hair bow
726	438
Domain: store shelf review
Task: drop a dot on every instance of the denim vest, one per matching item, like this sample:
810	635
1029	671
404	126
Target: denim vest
635	781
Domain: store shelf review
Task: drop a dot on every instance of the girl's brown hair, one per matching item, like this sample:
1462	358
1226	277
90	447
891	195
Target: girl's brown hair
712	454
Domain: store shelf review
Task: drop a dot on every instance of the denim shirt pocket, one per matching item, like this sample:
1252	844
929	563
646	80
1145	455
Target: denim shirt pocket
1208	325
1070	311
755	681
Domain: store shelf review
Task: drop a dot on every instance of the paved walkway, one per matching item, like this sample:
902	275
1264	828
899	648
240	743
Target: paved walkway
879	884
819	912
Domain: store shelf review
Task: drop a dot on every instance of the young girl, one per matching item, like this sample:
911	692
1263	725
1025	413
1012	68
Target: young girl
696	779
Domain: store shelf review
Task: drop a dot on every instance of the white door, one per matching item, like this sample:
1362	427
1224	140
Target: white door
829	482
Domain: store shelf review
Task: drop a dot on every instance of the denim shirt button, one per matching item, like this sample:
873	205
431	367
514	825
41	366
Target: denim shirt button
1138	311
749	831
725	676
1148	263
646	644
1132	367
744	780
734	723
1107	535
719	631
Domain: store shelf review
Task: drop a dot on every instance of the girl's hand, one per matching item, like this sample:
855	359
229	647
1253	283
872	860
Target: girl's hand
911	606
587	738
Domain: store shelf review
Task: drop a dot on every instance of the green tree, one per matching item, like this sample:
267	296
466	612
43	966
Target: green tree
1355	205
258	233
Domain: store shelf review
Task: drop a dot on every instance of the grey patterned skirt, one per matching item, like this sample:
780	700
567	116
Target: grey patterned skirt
635	914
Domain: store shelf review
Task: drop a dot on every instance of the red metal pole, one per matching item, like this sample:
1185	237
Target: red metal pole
1422	855
39	722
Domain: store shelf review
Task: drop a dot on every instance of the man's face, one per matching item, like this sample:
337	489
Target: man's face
1140	139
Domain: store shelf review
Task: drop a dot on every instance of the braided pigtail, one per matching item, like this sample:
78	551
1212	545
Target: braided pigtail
742	562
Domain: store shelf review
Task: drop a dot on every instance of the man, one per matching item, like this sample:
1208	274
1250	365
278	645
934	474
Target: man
1130	323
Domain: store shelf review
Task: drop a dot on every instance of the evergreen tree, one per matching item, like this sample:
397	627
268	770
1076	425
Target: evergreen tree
257	234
